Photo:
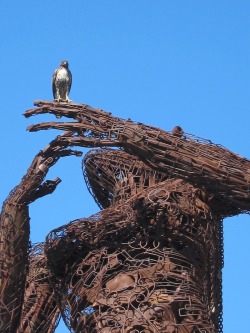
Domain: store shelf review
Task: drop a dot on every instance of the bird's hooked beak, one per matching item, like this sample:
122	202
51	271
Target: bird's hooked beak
64	63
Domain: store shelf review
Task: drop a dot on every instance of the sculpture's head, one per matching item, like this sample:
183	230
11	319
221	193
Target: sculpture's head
113	175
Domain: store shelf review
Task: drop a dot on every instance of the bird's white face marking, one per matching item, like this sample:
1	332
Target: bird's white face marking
62	74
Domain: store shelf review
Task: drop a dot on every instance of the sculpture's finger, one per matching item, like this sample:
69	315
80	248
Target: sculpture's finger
52	125
79	127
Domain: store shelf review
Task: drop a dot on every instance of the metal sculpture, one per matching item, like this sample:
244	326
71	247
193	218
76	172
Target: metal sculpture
151	260
14	233
40	312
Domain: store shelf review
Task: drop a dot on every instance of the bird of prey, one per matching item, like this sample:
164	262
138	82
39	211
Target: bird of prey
61	82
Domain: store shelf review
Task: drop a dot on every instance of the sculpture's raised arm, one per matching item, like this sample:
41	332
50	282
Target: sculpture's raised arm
194	159
40	312
14	231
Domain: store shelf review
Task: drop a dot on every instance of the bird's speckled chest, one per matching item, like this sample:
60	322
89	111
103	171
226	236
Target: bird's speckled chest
62	74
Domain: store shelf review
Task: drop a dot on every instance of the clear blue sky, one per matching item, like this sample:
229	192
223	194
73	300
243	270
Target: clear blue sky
160	62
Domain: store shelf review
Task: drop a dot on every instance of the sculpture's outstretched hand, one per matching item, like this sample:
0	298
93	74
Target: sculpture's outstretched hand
32	186
194	159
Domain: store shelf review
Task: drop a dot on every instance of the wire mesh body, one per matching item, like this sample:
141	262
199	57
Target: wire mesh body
150	262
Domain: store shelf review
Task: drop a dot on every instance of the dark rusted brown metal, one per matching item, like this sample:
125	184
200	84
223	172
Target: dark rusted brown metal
113	176
151	260
14	242
40	312
192	158
14	233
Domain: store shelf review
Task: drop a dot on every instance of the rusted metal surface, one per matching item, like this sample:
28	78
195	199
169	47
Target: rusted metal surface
14	242
151	260
113	175
192	158
40	312
14	233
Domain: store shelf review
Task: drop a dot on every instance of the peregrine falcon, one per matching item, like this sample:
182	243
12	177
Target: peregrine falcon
61	82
